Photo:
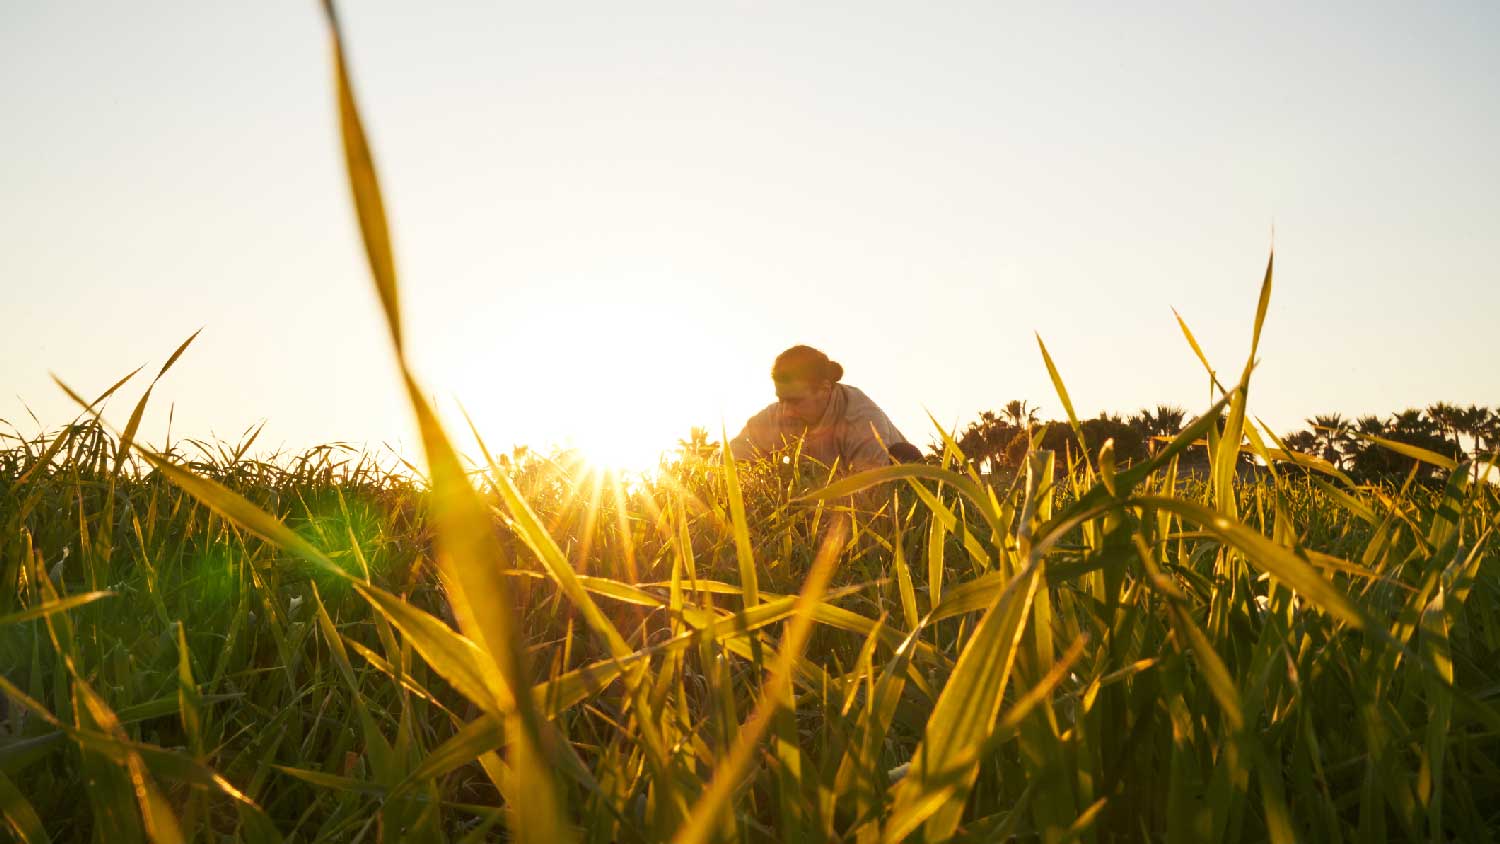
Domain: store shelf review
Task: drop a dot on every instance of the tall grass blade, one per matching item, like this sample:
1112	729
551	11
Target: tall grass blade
160	823
20	816
749	580
964	713
1062	396
1276	559
1408	450
48	608
364	185
728	773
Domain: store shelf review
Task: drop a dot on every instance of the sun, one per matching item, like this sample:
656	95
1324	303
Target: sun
621	449
615	374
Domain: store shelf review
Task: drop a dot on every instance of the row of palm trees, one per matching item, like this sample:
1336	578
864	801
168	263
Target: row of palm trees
997	440
1462	433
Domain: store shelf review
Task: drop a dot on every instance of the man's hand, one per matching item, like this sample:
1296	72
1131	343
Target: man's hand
905	453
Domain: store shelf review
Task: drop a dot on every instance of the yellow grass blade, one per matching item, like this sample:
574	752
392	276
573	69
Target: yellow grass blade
1062	396
910	471
171	359
728	773
365	187
48	608
555	562
57	443
1278	560
964	713
472	564
749	580
1197	350
236	508
161	824
903	571
131	427
1414	452
19	814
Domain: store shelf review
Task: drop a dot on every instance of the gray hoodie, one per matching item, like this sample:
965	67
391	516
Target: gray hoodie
852	430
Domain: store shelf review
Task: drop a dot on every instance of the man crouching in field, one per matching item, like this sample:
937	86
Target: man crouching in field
834	421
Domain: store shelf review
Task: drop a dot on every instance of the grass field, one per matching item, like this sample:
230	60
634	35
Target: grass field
1295	660
197	645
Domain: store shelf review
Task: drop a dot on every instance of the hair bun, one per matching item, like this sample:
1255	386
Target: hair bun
805	363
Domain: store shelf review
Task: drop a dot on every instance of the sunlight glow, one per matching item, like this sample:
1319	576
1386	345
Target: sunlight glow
617	382
621	449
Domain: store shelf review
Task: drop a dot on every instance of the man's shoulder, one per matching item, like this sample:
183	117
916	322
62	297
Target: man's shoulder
859	405
862	415
767	413
761	432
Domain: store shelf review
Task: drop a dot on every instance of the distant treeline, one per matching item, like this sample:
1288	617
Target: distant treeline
997	441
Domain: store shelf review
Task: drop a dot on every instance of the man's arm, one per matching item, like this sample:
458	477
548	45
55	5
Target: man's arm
905	452
759	436
870	439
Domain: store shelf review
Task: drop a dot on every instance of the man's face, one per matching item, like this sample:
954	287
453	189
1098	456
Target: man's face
801	400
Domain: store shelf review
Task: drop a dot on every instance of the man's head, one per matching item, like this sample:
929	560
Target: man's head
804	379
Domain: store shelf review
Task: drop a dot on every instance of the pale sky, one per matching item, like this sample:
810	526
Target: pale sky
609	217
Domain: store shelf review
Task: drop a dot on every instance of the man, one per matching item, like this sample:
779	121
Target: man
834	421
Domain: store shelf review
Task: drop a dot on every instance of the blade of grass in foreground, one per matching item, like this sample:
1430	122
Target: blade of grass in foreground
20	816
1278	560
1062	396
92	715
365	187
965	713
457	659
224	501
473	566
729	773
161	824
1226	460
742	549
910	471
123	448
1412	451
966	709
469	555
50	607
45	458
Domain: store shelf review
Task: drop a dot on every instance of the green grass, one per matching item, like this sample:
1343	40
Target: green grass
1133	665
196	645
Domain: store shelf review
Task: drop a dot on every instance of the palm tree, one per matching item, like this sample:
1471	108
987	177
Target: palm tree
1331	437
1479	423
1373	462
984	441
1302	442
1490	430
1446	417
1411	421
1019	414
1169	420
1474	421
1165	421
1363	454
